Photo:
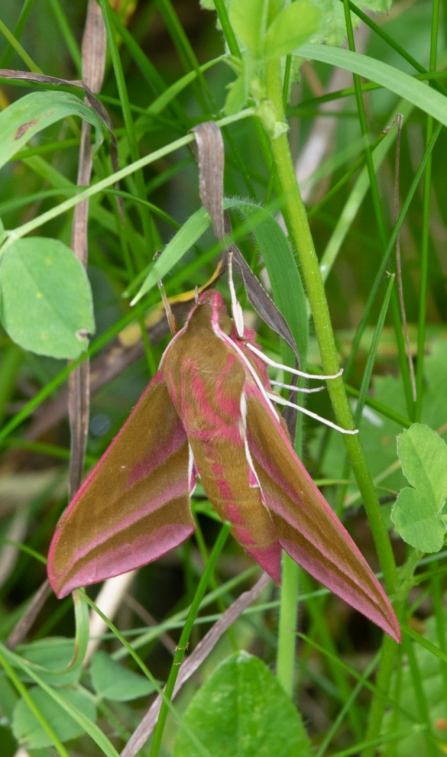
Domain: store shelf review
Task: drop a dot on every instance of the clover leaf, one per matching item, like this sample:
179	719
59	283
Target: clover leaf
417	513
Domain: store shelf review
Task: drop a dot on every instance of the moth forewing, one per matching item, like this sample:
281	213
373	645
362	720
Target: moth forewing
134	505
306	526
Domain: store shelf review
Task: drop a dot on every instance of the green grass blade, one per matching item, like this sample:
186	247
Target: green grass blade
15	44
404	85
366	380
68	36
21	23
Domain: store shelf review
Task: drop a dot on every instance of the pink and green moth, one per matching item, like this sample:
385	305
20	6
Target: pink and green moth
208	414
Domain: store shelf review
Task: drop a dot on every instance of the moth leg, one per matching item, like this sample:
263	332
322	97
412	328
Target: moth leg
282	401
287	368
236	309
304	389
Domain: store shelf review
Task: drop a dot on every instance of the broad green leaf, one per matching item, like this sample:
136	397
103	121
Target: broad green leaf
52	656
291	28
415	518
417	512
249	22
404	85
29	732
243	711
8	697
46	302
423	457
113	681
333	25
86	722
32	113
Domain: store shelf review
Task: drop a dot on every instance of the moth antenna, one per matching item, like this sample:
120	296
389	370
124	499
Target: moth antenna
196	294
281	401
173	327
304	389
295	371
236	309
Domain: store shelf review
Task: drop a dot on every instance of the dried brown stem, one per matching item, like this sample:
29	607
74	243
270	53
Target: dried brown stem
29	616
93	63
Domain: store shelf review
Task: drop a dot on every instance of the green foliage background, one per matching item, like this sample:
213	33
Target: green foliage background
177	72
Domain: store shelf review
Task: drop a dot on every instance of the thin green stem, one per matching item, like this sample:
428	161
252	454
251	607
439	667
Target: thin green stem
345	709
286	84
383	682
21	23
298	227
381	271
221	10
425	243
426	230
420	697
378	213
184	638
364	130
288	608
28	61
366	380
437	593
288	619
68	35
213	581
185	51
319	629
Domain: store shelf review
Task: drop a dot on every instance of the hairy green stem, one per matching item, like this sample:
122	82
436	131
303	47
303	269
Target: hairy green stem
299	231
298	227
